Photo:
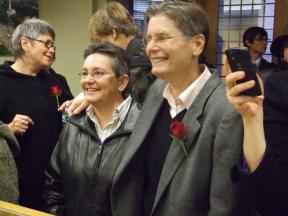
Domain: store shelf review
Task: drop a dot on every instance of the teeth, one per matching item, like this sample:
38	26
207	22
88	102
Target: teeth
91	89
157	60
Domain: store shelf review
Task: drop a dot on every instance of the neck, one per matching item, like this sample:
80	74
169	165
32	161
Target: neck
254	55
24	67
123	41
104	112
179	84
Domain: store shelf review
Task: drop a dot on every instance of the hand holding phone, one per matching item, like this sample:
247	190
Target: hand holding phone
240	60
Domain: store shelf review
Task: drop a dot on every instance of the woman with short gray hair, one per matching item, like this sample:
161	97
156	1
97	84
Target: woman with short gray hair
30	94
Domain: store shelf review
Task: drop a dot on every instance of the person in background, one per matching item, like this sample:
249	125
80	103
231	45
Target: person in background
113	23
92	143
255	39
30	94
265	148
279	49
9	150
187	137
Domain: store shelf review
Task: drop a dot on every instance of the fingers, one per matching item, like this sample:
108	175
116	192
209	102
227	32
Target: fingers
65	105
226	67
239	88
20	124
82	106
247	106
231	78
77	105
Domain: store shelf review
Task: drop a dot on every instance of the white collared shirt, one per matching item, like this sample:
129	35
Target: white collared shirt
257	62
187	97
118	117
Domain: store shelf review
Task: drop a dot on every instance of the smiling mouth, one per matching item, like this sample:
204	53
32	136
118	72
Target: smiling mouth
157	60
88	90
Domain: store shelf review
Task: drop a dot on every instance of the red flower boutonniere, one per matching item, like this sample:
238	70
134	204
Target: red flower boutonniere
179	133
56	91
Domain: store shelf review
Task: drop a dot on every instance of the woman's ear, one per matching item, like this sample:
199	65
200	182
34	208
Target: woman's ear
114	34
123	81
24	43
198	44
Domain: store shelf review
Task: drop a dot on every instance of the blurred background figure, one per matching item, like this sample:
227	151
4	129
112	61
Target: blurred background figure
92	143
9	150
255	39
30	95
279	50
114	24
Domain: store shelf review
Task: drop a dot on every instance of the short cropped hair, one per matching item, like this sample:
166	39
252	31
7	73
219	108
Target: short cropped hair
252	33
31	28
113	16
117	54
189	17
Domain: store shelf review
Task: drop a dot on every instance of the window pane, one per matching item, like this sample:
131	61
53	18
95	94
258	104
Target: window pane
270	34
258	10
258	1
268	22
239	15
246	1
270	10
233	2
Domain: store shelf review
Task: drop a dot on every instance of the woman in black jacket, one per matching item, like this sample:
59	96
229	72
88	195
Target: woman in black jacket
91	144
28	104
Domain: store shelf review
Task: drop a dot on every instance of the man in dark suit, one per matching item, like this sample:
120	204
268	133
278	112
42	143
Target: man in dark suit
188	137
255	39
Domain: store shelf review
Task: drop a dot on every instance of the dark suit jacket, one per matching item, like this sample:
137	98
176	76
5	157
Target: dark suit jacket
193	185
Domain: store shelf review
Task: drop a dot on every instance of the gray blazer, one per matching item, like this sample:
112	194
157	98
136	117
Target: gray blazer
9	147
197	184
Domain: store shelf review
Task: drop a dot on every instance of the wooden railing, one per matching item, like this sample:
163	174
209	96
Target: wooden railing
9	209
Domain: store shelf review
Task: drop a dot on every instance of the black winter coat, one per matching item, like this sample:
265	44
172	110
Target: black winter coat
31	95
80	178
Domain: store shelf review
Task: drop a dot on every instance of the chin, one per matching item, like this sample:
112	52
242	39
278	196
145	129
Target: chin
159	73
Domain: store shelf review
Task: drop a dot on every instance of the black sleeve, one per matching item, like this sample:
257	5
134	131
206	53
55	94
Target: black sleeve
269	180
53	190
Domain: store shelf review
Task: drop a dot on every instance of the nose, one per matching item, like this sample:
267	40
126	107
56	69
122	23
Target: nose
151	47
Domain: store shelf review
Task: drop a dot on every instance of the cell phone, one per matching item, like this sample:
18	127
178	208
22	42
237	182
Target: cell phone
240	60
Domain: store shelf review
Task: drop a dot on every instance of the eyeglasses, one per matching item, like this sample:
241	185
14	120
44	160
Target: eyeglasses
97	74
48	44
160	38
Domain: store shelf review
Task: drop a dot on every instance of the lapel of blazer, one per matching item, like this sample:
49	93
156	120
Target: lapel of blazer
143	124
175	154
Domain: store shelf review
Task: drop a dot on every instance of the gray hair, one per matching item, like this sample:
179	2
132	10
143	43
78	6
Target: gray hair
189	17
31	28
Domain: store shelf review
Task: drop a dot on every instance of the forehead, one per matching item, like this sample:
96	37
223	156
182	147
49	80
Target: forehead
45	37
98	60
260	37
161	24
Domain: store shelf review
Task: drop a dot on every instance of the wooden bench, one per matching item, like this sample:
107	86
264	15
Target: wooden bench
9	209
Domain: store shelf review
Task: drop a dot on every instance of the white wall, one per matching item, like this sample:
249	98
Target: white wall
69	19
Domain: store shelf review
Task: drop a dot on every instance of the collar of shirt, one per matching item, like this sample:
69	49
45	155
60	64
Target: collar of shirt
118	117
257	61
186	98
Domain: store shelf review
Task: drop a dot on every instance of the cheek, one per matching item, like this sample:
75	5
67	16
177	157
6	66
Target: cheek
82	83
286	54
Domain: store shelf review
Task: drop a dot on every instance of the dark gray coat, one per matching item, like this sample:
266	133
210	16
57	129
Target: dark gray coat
9	148
195	185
